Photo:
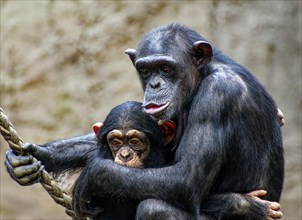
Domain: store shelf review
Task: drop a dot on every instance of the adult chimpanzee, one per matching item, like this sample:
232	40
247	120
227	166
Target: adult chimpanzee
229	137
131	138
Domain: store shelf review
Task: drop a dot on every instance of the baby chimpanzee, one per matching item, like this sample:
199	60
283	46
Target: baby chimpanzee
131	138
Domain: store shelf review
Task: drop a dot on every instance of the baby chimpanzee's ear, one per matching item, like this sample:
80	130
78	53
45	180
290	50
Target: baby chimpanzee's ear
169	128
96	128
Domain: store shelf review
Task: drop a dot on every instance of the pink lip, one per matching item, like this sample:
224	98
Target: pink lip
152	109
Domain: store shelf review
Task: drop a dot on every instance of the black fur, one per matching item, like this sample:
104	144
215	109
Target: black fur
230	138
130	115
124	117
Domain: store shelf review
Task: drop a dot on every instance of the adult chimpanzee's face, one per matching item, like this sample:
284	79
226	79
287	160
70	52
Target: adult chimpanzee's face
166	81
168	67
160	76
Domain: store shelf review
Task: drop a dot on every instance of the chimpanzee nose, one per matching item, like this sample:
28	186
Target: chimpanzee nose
155	85
155	82
125	155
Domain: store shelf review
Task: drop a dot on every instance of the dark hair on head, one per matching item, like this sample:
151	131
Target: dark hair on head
129	115
171	37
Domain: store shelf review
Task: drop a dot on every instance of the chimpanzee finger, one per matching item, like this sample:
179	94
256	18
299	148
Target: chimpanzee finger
31	179
88	210
16	161
36	150
79	204
77	209
26	170
23	178
70	213
281	117
258	193
10	170
276	214
275	206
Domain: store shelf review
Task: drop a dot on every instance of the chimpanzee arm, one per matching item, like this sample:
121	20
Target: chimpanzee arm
198	160
64	153
176	184
56	156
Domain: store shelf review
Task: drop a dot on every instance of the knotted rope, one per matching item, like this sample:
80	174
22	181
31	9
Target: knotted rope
50	185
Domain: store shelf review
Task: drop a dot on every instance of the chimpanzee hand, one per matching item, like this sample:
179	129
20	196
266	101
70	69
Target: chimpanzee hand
22	168
273	208
94	182
43	154
82	194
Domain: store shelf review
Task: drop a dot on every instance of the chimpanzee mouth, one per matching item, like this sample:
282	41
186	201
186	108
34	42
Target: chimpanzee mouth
153	109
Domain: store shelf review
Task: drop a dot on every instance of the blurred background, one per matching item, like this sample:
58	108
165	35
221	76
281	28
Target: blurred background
63	68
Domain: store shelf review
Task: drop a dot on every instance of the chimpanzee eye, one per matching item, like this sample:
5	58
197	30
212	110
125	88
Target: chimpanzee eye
135	143
116	143
166	69
144	72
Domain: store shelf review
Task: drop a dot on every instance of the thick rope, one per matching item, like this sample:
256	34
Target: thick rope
50	185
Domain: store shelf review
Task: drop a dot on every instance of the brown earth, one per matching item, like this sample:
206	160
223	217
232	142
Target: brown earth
63	68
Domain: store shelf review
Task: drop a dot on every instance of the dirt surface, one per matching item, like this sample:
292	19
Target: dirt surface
63	68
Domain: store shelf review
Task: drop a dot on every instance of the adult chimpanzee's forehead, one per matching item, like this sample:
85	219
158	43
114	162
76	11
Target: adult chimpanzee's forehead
155	58
160	47
158	42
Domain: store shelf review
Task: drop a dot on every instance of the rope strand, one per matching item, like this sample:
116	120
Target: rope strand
49	184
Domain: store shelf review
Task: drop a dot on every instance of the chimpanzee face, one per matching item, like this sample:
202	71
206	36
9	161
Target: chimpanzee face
161	80
128	134
129	148
169	72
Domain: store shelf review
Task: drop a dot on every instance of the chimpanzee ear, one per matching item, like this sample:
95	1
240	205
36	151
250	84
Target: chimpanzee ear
132	54
96	128
169	128
202	52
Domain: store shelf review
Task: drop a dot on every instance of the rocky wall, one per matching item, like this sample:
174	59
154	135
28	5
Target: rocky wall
63	67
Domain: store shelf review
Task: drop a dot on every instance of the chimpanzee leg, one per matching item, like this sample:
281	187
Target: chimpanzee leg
234	206
154	209
228	206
